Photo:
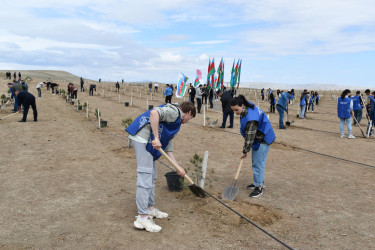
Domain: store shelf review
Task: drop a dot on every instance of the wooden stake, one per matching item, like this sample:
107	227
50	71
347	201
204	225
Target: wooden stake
203	177
99	118
87	109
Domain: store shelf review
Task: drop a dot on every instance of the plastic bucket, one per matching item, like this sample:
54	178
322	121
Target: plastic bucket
174	181
150	107
126	104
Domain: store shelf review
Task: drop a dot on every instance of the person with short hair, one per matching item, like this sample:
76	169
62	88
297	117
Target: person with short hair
258	134
272	100
168	93
192	93
26	99
92	88
53	86
199	94
156	87
344	112
151	131
150	87
302	104
38	88
117	87
371	114
357	107
226	99
282	105
73	91
311	101
82	83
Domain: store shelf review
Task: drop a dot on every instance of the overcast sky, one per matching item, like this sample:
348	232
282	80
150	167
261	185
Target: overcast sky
279	41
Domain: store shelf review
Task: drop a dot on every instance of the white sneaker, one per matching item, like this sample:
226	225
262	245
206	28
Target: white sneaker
156	213
351	136
343	136
147	224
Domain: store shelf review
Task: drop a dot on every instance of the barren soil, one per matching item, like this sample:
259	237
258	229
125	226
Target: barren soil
66	184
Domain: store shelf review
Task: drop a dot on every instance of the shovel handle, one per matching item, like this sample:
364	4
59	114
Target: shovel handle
177	168
238	170
359	126
9	115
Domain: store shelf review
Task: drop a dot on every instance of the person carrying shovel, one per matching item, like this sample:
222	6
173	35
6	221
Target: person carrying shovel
258	134
151	131
282	105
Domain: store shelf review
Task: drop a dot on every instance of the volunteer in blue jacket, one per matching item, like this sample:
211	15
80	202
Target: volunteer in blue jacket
282	105
160	125
371	113
302	104
357	107
311	101
344	112
258	134
168	94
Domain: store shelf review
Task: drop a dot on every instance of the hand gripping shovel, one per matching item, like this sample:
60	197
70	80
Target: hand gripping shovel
198	191
230	192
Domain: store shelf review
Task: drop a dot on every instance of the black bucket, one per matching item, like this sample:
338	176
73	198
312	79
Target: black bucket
103	123
126	104
150	107
174	181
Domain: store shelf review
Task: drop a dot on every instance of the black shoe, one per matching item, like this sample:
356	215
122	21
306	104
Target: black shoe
282	128
258	191
22	120
230	127
221	127
253	186
35	120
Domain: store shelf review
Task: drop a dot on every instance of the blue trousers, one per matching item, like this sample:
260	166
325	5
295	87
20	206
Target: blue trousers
281	116
258	159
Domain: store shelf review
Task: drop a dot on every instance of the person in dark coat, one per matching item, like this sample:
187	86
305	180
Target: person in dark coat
92	88
26	99
226	99
82	83
192	94
211	97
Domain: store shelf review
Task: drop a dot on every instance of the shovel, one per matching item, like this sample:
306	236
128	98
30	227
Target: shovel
8	115
198	191
215	122
359	126
230	192
287	119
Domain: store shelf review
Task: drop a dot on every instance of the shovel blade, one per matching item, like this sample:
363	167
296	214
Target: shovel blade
215	122
198	191
288	123
230	193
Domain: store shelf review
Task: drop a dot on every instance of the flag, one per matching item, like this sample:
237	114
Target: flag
239	74
208	72
212	73
196	81
181	85
232	81
199	74
220	72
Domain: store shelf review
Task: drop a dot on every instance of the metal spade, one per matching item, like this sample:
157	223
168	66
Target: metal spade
230	192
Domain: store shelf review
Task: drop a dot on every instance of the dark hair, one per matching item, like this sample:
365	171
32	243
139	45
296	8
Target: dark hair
188	106
367	91
358	92
344	93
239	100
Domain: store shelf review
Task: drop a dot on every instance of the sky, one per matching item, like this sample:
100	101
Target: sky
279	41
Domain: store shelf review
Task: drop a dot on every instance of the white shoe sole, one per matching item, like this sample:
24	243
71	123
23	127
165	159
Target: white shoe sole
140	226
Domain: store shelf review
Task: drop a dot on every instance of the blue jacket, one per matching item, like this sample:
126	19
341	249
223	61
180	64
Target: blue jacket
167	131
264	125
357	102
303	101
343	107
168	91
283	101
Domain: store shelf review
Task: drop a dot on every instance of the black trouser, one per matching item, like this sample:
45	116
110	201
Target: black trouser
204	99
199	105
26	107
211	104
262	97
82	88
91	92
168	99
192	99
53	89
39	92
272	108
74	94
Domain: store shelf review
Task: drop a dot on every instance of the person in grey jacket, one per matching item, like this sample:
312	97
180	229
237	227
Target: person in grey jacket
198	96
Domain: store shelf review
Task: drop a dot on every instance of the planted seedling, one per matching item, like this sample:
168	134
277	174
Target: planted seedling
126	122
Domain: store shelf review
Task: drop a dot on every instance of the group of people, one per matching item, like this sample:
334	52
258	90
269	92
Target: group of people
23	100
9	75
349	106
156	129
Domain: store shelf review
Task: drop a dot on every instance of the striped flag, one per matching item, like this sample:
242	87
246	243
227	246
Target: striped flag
181	85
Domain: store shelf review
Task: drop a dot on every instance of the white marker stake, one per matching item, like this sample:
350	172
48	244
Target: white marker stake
204	116
99	118
87	109
203	178
147	104
77	104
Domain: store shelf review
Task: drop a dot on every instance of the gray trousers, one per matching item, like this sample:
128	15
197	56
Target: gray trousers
146	176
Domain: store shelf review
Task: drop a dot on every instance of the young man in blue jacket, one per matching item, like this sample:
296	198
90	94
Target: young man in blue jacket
281	106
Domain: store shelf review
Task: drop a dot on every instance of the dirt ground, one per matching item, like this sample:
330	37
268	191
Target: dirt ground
66	184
